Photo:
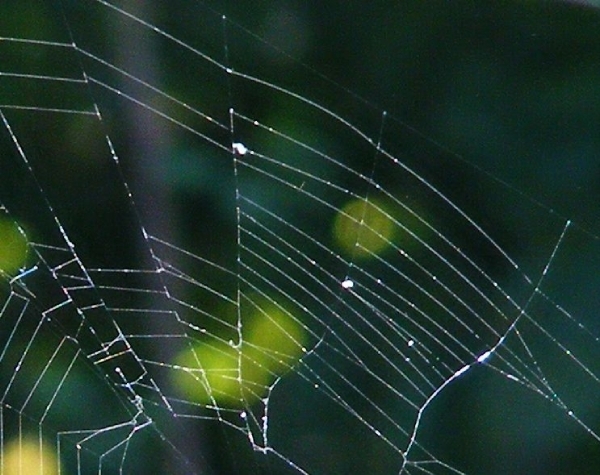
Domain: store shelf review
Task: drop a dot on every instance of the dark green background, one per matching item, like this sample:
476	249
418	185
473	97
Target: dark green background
496	103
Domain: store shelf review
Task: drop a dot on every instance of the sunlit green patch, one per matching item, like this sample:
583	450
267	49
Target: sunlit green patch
363	228
226	374
27	456
13	247
210	374
274	338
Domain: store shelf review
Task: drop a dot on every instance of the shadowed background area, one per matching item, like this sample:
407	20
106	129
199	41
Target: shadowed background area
493	107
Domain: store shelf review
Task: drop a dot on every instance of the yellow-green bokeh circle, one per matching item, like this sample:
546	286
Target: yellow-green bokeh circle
212	371
274	338
26	456
362	228
13	247
210	375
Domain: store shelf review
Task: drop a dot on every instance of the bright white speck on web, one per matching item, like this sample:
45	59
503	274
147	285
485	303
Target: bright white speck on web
484	356
239	148
347	284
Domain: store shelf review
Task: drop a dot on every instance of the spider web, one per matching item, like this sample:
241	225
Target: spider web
246	267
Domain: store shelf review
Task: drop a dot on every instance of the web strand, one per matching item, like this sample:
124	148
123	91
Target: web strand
323	276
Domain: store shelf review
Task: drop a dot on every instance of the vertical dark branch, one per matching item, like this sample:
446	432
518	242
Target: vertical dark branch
149	143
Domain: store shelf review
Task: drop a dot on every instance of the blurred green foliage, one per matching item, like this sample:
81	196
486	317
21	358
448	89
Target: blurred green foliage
13	252
510	88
